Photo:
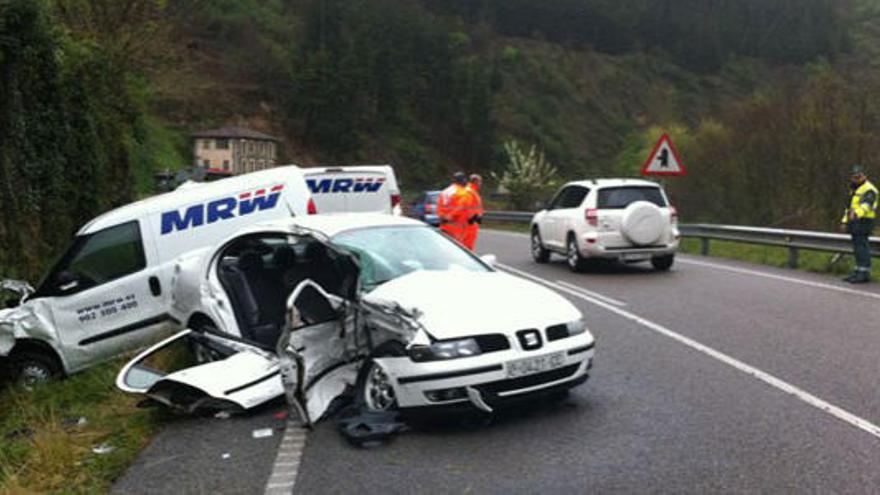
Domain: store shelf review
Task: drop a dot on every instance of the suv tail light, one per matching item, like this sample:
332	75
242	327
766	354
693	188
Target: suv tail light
673	214
395	200
592	216
311	209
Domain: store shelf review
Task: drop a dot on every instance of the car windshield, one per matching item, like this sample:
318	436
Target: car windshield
386	253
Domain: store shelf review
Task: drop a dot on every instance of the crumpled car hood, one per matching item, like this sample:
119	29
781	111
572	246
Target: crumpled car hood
457	304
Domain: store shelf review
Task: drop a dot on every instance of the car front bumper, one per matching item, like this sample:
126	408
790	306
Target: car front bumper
487	375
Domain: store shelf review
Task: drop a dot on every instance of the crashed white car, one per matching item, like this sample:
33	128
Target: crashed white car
386	306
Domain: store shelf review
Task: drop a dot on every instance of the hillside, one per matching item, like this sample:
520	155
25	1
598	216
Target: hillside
765	98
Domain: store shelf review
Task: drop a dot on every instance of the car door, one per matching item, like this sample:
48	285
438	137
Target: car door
104	297
549	226
570	211
312	363
240	376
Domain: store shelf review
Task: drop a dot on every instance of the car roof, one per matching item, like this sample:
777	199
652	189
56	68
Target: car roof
612	182
190	193
330	225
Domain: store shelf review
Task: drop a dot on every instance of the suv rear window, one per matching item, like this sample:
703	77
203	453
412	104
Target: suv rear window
621	197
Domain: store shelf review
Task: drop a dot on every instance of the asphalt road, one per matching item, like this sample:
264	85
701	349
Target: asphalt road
716	376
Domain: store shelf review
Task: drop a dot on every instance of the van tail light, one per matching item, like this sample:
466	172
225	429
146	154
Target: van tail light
395	200
429	208
311	208
673	214
592	216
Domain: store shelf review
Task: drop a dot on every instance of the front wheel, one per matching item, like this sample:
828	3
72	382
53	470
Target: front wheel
539	253
29	368
573	258
663	263
374	387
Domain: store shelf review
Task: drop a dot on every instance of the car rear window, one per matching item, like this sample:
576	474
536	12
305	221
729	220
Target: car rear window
621	197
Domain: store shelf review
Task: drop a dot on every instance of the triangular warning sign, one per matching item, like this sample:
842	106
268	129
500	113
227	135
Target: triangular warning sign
664	159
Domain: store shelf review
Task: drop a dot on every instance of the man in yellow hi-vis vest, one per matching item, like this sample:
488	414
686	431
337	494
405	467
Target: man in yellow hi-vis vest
858	220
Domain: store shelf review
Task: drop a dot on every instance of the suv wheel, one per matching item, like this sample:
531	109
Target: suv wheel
663	263
539	254
573	258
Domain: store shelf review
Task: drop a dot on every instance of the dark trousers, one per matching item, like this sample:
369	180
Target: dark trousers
861	231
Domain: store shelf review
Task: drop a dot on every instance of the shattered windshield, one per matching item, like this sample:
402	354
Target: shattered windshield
386	253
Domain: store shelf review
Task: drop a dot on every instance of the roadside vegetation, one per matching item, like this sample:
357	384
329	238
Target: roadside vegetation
71	436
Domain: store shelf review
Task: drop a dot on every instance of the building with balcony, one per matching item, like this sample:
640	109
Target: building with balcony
234	149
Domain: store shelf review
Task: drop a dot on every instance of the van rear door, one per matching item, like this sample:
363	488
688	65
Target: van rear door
365	189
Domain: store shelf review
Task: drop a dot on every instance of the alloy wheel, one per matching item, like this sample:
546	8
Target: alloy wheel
378	392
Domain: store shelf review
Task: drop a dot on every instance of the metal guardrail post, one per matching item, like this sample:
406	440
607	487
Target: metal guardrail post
704	246
792	257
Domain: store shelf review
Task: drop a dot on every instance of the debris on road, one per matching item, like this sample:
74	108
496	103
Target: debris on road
226	455
74	421
262	433
103	449
223	415
370	429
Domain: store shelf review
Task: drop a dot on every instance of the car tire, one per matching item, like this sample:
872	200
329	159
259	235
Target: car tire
29	368
663	263
573	258
539	253
373	389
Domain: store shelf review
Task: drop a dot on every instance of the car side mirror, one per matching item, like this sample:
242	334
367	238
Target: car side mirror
66	281
489	259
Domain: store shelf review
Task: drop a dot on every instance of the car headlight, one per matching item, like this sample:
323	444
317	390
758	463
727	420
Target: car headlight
449	349
576	327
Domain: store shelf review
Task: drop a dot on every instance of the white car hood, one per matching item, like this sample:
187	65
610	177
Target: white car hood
457	304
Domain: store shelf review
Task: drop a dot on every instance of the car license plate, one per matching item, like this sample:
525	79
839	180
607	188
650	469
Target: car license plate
635	257
530	366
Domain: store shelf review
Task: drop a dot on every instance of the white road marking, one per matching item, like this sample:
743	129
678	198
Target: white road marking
605	298
765	377
782	278
286	467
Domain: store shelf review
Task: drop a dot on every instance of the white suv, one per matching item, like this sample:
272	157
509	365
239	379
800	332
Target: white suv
628	220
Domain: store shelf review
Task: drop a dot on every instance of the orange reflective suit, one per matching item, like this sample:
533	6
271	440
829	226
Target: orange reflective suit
455	207
473	228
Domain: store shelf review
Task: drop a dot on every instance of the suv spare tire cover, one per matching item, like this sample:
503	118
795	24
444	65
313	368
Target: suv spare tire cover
643	223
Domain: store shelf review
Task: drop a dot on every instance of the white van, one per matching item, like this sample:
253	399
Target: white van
111	290
361	188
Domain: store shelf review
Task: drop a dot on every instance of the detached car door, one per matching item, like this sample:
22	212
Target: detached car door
104	297
239	377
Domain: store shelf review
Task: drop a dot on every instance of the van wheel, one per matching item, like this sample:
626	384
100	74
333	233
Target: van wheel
374	387
573	258
29	368
539	253
663	263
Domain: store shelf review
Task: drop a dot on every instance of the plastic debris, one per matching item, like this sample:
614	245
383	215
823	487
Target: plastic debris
368	429
262	433
282	415
74	421
19	432
104	448
223	415
226	455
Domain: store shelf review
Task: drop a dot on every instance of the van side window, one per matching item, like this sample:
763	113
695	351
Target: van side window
99	258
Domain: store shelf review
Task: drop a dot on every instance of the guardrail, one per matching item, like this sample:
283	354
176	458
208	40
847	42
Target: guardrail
793	240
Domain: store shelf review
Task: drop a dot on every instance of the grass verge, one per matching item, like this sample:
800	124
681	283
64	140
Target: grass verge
813	261
45	449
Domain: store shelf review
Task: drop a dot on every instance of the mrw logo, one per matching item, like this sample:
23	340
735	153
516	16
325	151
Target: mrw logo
200	214
359	184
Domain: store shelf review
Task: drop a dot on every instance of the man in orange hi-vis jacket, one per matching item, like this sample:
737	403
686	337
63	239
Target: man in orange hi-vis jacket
473	228
455	207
